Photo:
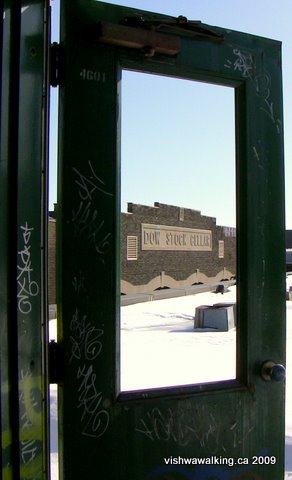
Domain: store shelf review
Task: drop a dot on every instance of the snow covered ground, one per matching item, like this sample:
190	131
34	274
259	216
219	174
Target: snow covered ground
159	347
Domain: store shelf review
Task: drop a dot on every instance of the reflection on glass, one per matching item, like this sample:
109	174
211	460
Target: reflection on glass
178	237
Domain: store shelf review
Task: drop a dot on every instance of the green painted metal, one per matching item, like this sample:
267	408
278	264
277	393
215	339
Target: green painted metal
113	436
24	102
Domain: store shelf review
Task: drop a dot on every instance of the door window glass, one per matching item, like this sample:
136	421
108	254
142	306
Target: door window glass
178	202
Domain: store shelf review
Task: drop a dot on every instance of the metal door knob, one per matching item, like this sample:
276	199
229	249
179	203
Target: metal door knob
274	372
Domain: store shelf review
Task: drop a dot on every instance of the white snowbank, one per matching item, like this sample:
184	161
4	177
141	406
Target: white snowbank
159	346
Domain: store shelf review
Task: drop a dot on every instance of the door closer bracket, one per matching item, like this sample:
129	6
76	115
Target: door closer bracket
149	42
153	36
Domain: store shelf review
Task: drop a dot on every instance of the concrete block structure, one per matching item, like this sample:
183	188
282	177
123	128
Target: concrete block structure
220	317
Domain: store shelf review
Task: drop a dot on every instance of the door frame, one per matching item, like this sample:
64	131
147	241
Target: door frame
252	65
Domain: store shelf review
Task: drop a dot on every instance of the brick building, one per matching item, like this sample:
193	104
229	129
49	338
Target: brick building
165	246
169	246
52	259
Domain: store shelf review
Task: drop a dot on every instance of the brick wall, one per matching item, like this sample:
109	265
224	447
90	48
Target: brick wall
52	260
177	264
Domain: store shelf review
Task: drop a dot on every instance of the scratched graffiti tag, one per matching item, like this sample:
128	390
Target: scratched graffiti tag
243	62
262	84
27	288
164	427
183	428
167	426
86	347
95	419
86	218
78	284
85	338
30	444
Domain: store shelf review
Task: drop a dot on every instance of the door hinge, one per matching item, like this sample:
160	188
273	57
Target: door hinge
56	64
55	371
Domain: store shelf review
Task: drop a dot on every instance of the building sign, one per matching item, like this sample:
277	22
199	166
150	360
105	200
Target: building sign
162	237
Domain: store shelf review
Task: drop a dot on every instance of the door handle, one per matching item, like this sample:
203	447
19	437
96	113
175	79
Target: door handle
272	371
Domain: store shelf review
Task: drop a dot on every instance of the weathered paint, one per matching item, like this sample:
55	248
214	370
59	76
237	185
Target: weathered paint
128	436
22	246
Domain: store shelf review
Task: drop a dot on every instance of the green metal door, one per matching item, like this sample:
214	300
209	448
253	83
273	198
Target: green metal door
106	433
24	89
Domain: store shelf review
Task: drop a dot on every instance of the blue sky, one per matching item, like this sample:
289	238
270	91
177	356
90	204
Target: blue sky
172	133
168	154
